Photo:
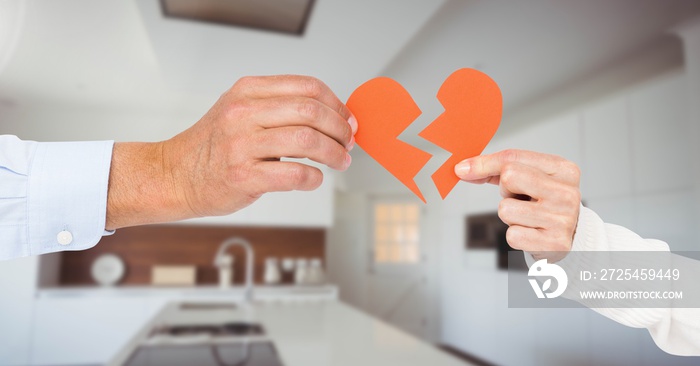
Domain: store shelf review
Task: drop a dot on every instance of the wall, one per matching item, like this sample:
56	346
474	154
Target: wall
348	251
689	33
631	148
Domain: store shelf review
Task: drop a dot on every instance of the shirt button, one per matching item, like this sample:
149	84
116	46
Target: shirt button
64	237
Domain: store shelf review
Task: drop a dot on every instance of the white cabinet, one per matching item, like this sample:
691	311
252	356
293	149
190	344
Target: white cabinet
295	208
84	330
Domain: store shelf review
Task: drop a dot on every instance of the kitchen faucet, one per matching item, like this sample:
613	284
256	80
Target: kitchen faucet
250	256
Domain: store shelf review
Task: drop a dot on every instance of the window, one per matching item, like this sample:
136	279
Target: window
396	233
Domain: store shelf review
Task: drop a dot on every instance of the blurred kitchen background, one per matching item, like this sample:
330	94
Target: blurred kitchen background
613	85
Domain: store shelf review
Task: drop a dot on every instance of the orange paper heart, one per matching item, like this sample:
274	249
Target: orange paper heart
473	107
384	109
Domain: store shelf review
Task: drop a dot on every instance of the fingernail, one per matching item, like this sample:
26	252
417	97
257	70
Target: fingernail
351	144
348	160
463	168
353	124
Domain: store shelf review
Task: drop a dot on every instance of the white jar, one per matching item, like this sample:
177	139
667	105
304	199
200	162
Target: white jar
272	274
301	271
315	275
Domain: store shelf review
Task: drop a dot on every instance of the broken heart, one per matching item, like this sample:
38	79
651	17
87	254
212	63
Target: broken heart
384	109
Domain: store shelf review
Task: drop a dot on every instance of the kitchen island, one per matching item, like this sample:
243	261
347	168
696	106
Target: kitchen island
322	333
88	325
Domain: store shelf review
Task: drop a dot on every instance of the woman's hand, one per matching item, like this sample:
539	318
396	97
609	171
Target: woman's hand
541	198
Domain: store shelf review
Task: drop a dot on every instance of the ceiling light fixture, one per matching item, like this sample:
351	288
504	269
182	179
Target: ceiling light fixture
286	16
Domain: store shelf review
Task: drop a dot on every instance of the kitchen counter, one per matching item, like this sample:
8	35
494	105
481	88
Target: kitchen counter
89	325
327	333
233	293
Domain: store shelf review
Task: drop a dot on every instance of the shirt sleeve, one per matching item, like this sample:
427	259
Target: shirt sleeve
53	195
674	330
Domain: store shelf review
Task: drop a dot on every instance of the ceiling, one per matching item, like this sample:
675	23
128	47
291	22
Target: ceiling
125	54
534	49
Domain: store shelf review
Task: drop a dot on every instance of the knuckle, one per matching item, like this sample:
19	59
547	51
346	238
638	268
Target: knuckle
347	132
254	141
561	223
256	191
571	196
306	138
561	242
309	109
304	177
245	82
508	174
569	169
339	153
312	87
571	222
577	198
240	174
344	111
568	232
575	172
314	179
502	206
236	110
505	210
510	155
297	175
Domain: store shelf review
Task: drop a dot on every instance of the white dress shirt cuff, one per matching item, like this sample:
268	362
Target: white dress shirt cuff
67	195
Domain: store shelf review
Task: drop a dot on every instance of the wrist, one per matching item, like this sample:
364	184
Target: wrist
141	187
177	173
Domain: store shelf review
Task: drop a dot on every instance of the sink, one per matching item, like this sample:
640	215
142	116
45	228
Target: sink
199	306
225	344
226	330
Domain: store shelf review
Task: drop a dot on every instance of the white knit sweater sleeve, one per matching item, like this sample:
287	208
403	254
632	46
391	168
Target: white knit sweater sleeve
674	330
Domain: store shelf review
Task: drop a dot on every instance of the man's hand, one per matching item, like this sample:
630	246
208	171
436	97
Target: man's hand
541	197
231	156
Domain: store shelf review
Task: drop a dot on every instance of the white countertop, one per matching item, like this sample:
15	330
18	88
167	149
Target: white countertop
327	333
233	293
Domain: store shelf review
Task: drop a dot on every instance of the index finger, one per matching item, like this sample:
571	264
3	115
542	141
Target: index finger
485	167
295	85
